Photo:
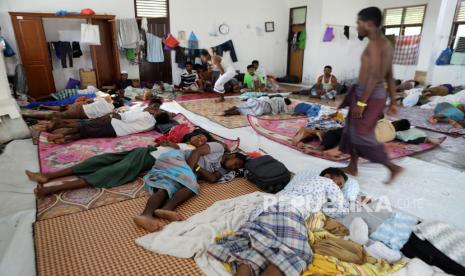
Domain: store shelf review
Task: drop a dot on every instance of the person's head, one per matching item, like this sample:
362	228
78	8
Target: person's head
124	75
154	105
199	68
287	101
328	70
461	107
417	83
205	55
336	175
198	138
398	82
401	125
234	161
255	64
251	69
369	19
118	102
148	85
189	66
162	117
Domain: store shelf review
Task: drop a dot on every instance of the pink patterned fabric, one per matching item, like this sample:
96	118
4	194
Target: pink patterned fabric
54	157
406	50
282	131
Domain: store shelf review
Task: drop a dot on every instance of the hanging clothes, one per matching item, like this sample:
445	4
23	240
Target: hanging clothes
347	32
329	34
193	42
293	41
76	49
225	47
90	34
154	48
66	52
302	40
8	52
128	33
144	24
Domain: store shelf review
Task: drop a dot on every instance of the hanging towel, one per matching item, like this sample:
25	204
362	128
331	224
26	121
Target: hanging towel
144	24
407	50
128	33
154	48
329	34
90	34
302	40
193	42
346	31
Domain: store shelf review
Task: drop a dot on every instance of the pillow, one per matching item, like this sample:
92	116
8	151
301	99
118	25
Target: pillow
410	135
396	230
385	131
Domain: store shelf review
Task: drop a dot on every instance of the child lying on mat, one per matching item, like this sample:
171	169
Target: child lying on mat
385	132
261	106
274	240
173	179
451	113
108	170
133	121
90	109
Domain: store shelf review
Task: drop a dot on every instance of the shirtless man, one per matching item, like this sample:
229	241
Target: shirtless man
367	100
226	70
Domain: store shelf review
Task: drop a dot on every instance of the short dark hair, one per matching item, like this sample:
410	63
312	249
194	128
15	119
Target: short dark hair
372	14
287	101
162	118
156	101
250	66
334	172
241	156
189	63
398	82
401	125
255	62
329	67
417	83
198	67
204	52
197	131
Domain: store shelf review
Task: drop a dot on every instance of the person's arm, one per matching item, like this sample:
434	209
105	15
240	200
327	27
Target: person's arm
374	74
194	159
334	82
318	85
392	110
208	176
216	60
169	144
337	206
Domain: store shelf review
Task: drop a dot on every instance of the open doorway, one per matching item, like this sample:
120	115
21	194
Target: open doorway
296	50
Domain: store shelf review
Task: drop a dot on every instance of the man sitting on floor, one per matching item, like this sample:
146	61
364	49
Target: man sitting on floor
261	106
189	79
252	81
173	180
133	121
205	77
90	109
274	240
123	82
269	81
325	87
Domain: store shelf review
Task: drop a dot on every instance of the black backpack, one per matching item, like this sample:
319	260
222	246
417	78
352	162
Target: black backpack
267	173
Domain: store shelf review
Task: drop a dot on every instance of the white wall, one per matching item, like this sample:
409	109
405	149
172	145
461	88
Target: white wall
120	8
243	17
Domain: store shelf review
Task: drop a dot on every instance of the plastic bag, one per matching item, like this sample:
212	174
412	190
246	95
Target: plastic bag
444	57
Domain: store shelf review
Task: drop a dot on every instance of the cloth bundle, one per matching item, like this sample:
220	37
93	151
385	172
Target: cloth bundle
90	34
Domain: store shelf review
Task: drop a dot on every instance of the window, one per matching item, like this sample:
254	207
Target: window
151	8
458	28
404	20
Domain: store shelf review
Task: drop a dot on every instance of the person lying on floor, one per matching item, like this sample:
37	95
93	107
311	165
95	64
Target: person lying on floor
451	113
173	180
406	85
261	106
109	169
274	240
114	125
90	109
440	90
252	81
189	79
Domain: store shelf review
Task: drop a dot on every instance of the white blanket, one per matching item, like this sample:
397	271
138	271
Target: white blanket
435	100
191	238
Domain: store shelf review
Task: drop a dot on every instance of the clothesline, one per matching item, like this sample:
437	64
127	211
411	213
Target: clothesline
338	25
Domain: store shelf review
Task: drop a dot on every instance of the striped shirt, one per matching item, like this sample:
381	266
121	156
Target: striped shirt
188	79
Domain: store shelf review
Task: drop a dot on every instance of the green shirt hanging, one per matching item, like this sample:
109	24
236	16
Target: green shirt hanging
302	40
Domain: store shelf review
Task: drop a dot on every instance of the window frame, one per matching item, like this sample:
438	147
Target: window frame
167	11
455	25
402	26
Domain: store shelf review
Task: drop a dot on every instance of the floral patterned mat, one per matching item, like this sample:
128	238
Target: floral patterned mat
282	131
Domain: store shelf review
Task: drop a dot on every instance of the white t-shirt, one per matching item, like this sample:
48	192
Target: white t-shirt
100	107
212	161
133	122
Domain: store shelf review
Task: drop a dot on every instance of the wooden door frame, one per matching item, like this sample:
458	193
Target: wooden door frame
289	34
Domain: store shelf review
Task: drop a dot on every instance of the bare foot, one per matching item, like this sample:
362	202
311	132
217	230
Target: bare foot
335	152
168	215
53	124
433	141
37	177
150	224
301	145
432	120
396	171
39	191
350	170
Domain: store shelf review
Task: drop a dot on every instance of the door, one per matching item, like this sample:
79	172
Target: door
154	72
105	58
297	20
35	57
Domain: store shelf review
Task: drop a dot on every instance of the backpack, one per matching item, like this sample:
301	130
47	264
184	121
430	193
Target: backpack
267	173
